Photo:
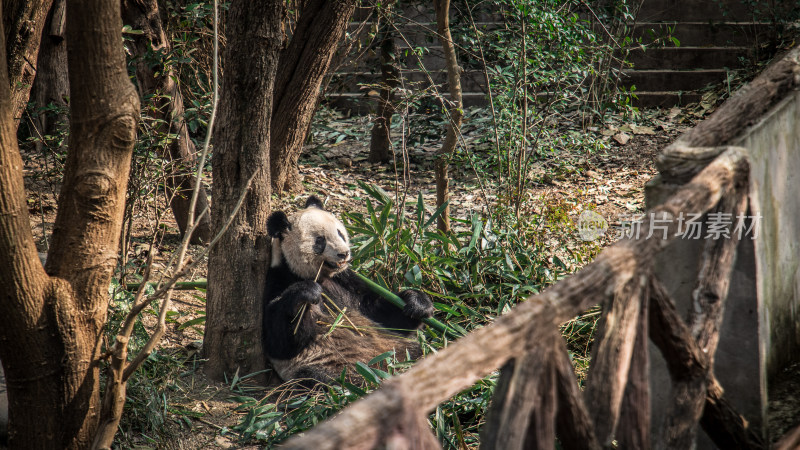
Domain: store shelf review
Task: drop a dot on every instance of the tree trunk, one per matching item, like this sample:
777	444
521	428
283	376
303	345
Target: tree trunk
380	144
158	81
51	85
454	111
297	85
23	21
57	316
238	264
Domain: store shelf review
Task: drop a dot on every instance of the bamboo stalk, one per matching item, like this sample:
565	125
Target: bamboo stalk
397	301
375	287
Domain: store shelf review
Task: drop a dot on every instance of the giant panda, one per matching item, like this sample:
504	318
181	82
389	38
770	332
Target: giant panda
310	256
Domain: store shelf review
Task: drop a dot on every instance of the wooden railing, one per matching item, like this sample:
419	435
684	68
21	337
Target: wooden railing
537	398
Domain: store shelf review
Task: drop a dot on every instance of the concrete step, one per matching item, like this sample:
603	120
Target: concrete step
433	60
706	34
423	12
471	81
694	10
362	104
672	80
425	33
690	57
665	99
694	33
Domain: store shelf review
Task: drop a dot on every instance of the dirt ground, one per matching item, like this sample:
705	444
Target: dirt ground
610	181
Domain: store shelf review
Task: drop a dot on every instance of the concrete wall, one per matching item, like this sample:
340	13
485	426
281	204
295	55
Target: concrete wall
774	148
738	364
760	333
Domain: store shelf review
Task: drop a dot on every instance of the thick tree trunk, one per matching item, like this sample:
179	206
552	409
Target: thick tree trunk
23	21
380	144
238	264
159	81
297	85
51	86
453	128
50	326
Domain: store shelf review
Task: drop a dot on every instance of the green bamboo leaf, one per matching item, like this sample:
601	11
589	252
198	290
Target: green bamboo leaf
381	358
195	321
367	373
477	227
436	214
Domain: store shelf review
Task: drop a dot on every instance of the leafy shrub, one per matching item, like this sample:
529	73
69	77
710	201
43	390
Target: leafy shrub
473	273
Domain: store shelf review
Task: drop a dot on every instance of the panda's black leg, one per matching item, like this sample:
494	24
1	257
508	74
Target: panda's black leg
290	321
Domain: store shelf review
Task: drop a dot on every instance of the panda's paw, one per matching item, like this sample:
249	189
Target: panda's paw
418	304
306	291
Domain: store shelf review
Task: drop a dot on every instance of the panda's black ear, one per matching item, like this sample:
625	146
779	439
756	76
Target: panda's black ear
315	202
277	223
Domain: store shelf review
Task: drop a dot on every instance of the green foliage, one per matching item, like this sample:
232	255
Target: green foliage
550	72
189	27
473	273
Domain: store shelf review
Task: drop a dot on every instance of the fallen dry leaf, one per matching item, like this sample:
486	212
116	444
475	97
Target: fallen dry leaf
622	138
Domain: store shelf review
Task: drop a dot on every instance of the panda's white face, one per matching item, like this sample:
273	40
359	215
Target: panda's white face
317	242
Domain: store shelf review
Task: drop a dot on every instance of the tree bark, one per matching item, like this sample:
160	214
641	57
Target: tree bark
238	264
51	85
611	358
454	110
523	411
297	85
380	144
158	81
634	421
23	21
56	314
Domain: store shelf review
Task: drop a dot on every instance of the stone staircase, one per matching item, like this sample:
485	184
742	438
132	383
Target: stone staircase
715	38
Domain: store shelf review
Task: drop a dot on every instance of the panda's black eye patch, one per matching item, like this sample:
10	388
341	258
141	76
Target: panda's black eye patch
319	244
341	235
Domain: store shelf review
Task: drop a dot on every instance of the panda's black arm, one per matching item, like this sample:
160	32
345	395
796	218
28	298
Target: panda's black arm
418	304
284	338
